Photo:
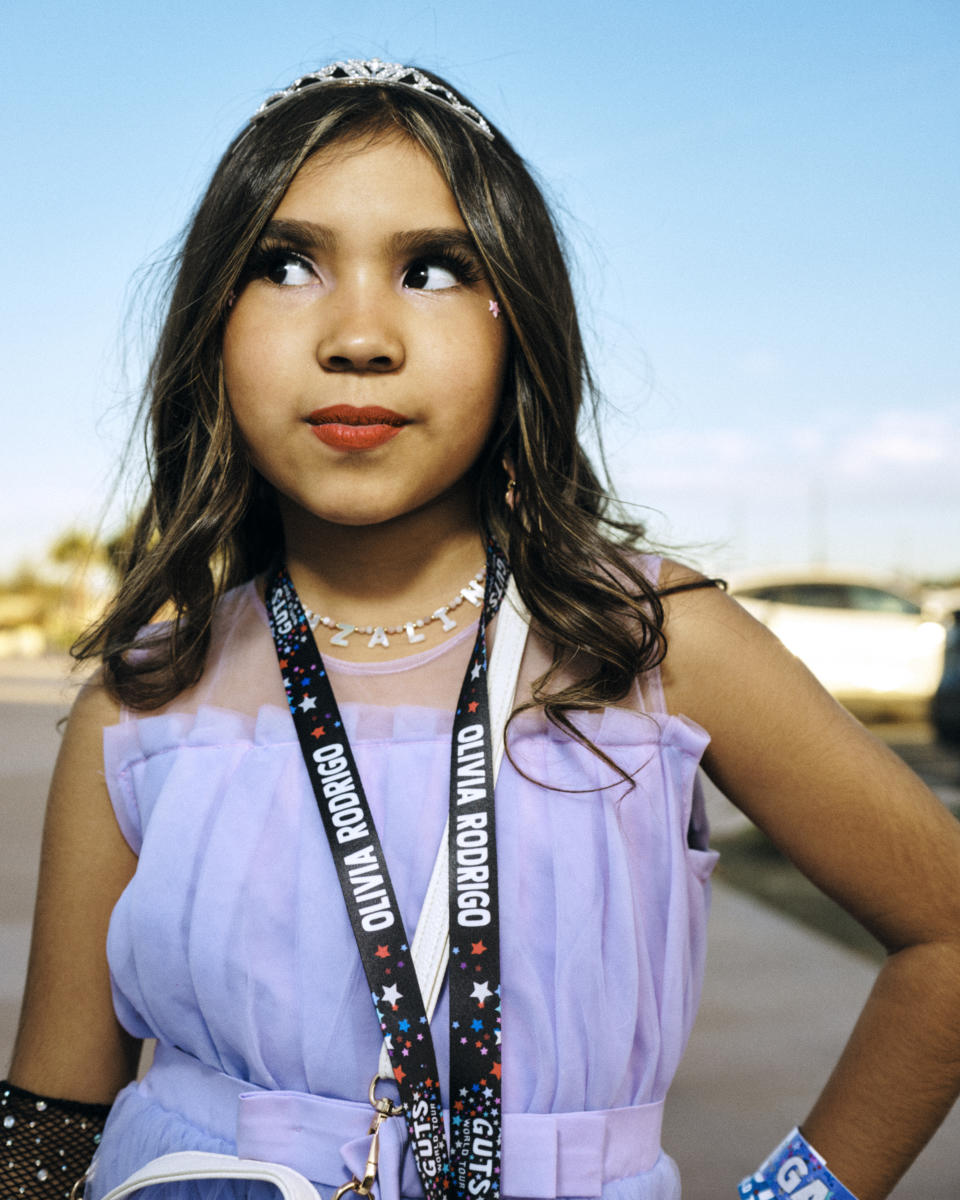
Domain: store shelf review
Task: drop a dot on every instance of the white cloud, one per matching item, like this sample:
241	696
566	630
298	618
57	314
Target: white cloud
916	448
904	440
873	488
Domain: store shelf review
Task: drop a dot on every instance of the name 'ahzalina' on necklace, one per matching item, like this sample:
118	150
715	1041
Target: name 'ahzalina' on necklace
380	634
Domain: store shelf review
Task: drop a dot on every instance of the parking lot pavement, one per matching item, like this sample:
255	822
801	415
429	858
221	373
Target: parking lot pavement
28	746
778	1004
49	681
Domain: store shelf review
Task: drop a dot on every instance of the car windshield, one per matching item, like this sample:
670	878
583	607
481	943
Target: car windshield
860	597
877	600
813	595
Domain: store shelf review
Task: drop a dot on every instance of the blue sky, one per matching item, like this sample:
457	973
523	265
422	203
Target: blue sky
761	198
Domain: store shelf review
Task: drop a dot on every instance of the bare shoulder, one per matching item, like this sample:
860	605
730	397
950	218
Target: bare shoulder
834	798
81	751
93	710
676	577
708	631
79	811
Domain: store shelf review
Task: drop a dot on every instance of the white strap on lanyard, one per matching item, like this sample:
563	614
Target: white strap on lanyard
431	942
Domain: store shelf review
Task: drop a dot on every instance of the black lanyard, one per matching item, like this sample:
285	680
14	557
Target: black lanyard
472	1168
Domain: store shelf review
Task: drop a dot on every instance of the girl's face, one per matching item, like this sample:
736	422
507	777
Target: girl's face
363	359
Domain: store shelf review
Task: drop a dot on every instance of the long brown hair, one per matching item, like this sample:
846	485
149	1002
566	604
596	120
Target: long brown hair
210	522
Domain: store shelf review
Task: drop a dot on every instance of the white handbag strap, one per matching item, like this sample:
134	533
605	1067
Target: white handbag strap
187	1165
431	942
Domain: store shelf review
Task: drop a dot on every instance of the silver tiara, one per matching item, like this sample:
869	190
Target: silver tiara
372	70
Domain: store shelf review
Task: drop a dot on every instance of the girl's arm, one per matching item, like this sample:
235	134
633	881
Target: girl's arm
69	1044
868	832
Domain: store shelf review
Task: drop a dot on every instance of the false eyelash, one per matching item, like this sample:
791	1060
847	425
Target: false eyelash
462	264
265	255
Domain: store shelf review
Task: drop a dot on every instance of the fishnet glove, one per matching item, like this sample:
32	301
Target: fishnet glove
47	1143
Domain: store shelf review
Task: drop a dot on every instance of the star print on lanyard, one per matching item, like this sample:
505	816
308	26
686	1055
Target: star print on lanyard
472	1168
474	975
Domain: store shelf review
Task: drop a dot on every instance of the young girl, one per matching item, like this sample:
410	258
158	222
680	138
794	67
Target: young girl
363	417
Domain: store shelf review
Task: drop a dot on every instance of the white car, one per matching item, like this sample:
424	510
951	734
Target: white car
874	649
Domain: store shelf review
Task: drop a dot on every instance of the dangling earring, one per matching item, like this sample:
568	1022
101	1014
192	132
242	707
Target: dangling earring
511	495
231	298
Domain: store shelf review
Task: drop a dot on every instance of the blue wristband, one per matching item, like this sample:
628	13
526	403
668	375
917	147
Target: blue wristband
794	1171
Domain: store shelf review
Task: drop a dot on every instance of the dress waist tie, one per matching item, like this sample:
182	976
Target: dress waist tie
545	1155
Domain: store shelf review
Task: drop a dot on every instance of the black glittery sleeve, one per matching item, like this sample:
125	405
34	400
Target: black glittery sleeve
47	1144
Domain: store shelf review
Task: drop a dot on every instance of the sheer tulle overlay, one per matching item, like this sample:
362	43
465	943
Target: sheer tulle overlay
232	942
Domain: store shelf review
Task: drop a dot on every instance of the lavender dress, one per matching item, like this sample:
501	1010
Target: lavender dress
232	947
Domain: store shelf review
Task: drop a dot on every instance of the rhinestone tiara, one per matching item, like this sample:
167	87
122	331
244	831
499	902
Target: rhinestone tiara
372	70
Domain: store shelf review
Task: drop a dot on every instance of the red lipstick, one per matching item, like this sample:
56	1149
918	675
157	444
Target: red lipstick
344	427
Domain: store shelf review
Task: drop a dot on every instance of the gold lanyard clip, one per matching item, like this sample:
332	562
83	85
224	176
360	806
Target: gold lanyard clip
383	1109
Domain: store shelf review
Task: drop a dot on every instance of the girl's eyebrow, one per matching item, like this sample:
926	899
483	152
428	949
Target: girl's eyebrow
303	235
416	241
310	236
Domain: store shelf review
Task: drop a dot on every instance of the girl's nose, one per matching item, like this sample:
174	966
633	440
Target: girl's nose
359	335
